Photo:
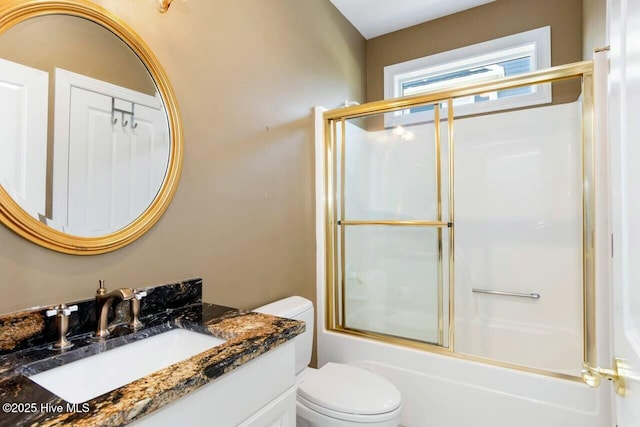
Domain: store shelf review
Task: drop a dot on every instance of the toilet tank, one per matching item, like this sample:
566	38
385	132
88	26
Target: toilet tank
297	308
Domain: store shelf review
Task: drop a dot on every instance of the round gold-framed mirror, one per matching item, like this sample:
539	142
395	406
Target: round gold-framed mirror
44	215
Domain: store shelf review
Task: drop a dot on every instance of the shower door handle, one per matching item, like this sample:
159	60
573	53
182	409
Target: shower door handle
507	293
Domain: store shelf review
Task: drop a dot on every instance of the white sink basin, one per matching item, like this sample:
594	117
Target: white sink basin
93	376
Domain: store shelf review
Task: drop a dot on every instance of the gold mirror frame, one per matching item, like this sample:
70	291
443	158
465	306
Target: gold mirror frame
14	217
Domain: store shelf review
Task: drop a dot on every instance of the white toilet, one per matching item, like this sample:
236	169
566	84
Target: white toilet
335	395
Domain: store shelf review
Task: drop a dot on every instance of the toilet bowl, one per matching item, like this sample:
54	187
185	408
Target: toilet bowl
338	395
335	395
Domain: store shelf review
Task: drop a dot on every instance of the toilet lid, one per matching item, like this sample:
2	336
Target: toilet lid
348	389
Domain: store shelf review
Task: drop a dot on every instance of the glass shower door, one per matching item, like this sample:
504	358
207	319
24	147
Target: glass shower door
392	233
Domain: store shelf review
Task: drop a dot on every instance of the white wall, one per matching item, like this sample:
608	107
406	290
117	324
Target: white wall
594	17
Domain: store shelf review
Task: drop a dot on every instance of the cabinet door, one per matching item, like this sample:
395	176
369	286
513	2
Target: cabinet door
280	412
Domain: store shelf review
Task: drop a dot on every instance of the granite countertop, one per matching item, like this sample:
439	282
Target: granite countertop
248	335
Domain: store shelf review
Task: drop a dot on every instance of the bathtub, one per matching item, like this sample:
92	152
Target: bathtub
444	391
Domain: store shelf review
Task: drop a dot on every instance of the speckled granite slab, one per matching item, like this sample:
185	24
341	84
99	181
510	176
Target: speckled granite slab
248	335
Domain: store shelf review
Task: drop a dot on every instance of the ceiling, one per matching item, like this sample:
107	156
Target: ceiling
374	18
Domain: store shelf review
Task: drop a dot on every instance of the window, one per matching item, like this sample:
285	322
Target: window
503	57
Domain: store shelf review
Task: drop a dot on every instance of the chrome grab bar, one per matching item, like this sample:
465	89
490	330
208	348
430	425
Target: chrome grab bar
509	294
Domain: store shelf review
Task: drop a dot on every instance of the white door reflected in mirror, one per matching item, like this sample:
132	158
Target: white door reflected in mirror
23	124
111	150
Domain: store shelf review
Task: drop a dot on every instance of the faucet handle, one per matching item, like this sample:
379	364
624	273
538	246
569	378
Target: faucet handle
62	313
101	288
135	309
139	294
61	309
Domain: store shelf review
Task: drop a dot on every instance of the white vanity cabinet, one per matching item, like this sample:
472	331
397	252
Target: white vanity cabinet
260	393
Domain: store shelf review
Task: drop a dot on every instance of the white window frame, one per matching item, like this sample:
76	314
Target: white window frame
468	57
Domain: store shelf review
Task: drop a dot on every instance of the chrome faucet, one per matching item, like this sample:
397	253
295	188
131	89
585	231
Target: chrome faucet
103	302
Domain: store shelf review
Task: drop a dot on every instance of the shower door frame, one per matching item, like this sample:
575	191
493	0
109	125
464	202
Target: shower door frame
335	277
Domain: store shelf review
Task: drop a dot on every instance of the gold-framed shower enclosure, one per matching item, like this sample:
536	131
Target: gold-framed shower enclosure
335	254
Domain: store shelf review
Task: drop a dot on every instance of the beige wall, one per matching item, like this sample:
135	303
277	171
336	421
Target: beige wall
246	74
77	45
493	20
